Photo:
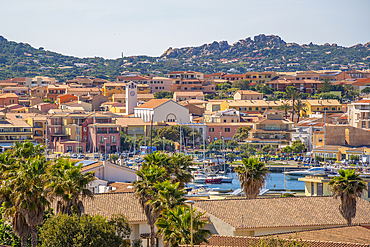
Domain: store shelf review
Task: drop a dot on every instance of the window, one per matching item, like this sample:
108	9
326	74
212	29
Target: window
333	108
101	139
320	139
319	189
250	108
363	124
227	129
69	149
114	139
211	129
224	120
56	130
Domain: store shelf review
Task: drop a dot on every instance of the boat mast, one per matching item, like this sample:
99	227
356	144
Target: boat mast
94	142
324	136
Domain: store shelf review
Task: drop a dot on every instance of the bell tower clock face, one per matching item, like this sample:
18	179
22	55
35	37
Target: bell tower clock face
132	93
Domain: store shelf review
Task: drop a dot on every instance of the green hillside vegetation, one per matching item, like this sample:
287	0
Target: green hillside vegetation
263	53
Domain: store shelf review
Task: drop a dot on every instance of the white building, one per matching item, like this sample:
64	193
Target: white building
162	110
359	114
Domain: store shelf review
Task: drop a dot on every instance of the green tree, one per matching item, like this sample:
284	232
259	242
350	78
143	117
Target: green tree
149	175
292	94
242	133
299	106
297	147
166	196
180	169
114	158
326	86
94	231
366	90
175	224
69	186
232	144
163	95
348	186
241	84
285	106
252	175
23	194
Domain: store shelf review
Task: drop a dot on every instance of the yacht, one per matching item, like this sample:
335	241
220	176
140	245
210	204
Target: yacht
311	171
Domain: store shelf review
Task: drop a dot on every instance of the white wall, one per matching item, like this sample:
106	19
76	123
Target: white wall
118	173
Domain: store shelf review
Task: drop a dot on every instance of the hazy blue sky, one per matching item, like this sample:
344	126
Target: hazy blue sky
108	28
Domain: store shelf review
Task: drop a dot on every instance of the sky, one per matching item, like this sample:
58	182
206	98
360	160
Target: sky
89	28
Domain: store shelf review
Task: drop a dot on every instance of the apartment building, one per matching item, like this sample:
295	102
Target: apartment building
53	91
159	84
109	89
182	96
260	77
247	95
250	106
318	105
227	116
273	129
79	133
183	75
359	114
303	86
138	79
7	99
12	130
38	124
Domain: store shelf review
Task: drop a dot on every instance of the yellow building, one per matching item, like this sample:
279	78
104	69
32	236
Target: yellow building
250	106
259	77
111	88
318	105
318	185
38	124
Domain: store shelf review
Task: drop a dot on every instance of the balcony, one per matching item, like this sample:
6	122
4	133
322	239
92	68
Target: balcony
113	132
102	132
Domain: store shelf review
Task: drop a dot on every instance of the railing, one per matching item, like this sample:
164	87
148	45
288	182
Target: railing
101	132
113	132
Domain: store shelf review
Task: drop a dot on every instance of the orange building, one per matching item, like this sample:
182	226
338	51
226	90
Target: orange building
65	98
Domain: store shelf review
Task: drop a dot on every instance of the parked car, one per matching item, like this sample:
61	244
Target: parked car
74	156
81	156
96	156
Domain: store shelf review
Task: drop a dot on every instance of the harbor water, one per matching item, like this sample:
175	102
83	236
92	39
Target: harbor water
274	181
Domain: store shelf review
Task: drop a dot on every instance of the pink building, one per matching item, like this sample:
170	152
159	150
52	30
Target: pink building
8	99
159	84
45	107
215	131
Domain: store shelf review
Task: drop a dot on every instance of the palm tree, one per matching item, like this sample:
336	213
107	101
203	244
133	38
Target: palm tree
348	186
23	192
175	224
156	159
69	186
23	172
149	175
252	175
20	227
180	169
285	107
166	195
299	106
292	94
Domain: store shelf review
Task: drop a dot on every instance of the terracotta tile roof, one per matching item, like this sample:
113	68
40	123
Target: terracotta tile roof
327	102
353	234
179	94
145	96
283	212
153	103
8	95
107	204
131	121
274	121
245	92
217	240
